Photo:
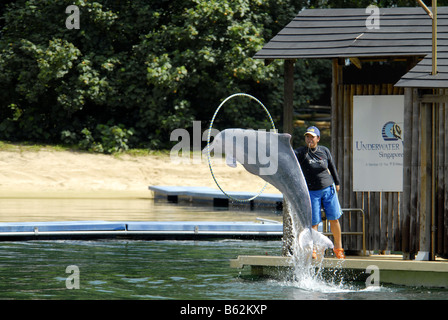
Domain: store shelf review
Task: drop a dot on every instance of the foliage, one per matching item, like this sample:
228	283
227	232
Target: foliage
105	139
149	66
365	3
138	69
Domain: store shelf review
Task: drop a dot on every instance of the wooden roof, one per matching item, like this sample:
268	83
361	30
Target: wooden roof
342	33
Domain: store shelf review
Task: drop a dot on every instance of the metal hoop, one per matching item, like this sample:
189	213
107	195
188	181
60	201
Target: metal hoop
208	144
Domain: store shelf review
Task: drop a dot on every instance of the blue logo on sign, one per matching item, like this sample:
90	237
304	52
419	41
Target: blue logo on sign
391	132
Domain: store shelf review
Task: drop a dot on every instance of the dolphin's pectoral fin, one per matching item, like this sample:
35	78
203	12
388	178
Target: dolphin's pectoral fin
321	241
231	161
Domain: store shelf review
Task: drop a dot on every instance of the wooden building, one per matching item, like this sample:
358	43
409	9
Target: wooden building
385	52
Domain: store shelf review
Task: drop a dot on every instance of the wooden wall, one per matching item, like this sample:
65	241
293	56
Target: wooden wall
417	218
425	195
382	209
441	175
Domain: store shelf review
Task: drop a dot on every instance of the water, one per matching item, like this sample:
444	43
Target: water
116	269
116	209
126	269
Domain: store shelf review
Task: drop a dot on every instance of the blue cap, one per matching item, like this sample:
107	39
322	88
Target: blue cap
313	131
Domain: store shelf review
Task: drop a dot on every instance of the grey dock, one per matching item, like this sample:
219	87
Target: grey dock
214	197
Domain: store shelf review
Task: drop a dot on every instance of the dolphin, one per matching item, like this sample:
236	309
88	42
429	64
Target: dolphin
270	156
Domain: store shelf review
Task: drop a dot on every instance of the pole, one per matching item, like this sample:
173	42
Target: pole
288	104
423	5
434	37
433	16
432	255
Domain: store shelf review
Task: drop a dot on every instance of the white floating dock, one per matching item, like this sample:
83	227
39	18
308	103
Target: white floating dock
139	230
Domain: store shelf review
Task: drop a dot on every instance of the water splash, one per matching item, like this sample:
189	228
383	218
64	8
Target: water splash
306	272
309	277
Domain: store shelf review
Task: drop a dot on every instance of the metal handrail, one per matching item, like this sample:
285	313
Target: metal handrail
352	233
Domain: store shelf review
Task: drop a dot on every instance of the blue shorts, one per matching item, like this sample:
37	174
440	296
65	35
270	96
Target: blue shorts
329	199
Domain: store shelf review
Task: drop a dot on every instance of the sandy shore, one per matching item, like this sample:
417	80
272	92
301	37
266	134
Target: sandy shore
49	172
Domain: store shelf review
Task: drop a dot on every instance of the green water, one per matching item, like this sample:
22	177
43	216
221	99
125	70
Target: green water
124	269
116	269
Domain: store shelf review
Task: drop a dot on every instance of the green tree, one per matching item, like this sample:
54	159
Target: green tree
138	69
144	66
365	3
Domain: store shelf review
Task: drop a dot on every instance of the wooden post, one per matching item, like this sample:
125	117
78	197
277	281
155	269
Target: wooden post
441	178
432	256
288	104
423	5
444	248
407	172
433	16
411	180
434	37
426	183
415	182
336	81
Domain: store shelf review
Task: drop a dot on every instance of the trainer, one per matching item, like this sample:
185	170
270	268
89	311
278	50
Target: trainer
323	182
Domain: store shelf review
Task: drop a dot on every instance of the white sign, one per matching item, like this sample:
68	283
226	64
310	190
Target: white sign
378	143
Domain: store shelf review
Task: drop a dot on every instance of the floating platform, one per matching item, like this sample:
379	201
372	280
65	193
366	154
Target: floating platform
139	230
215	197
391	269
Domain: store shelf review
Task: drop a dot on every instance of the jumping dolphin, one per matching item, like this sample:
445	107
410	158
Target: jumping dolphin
270	156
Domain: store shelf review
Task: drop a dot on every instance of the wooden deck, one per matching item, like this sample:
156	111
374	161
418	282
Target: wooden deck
392	268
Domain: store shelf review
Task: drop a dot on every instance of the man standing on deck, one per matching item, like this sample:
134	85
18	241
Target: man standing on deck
323	183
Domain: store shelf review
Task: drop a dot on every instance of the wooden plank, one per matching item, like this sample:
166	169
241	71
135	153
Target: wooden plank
397	239
376	215
383	221
363	197
360	221
345	174
340	132
354	216
441	184
395	231
349	143
415	181
434	37
365	206
336	80
356	221
367	200
445	216
347	146
429	98
288	106
425	178
407	169
390	222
